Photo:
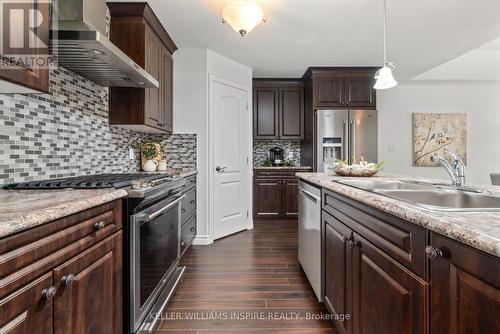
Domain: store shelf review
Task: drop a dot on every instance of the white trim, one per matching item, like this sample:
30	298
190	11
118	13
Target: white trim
202	240
211	167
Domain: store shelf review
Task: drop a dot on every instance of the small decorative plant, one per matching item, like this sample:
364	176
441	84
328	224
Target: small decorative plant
267	163
149	150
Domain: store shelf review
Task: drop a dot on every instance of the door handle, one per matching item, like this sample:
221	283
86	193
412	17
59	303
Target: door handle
220	169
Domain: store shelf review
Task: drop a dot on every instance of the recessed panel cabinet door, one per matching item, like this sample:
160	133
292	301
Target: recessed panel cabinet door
337	270
167	92
387	298
89	288
329	91
360	91
290	193
291	113
267	198
266	111
26	311
153	56
465	289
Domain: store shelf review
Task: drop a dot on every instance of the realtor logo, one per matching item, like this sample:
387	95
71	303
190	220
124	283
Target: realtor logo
25	32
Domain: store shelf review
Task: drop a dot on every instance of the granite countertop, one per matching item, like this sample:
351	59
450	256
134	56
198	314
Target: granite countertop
282	167
480	230
24	209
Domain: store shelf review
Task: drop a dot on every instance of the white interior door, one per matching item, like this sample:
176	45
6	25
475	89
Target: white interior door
230	159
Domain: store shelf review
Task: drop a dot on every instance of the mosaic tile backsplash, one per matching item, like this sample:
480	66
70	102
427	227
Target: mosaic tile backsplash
66	133
261	150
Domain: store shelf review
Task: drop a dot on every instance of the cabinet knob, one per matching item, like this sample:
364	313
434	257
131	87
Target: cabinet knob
99	226
183	210
49	293
354	243
433	253
68	280
183	243
193	229
193	202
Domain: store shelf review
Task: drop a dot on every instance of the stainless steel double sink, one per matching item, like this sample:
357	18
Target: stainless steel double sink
431	196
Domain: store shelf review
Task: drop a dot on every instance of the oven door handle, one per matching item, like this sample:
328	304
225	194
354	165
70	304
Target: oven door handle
162	210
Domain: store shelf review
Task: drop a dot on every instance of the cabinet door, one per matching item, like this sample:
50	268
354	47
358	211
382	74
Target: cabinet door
387	298
153	55
291	113
329	91
337	270
26	310
166	81
290	194
17	52
265	112
267	198
465	289
360	92
92	302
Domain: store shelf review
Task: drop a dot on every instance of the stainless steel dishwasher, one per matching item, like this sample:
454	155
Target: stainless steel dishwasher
310	234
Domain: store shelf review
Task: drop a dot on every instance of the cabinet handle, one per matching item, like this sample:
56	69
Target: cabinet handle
433	253
183	210
49	293
68	280
193	229
99	226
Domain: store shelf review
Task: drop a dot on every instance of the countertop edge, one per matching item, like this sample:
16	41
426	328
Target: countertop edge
50	214
434	221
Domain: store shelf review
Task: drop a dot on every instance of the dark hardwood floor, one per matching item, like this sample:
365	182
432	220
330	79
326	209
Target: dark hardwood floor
249	282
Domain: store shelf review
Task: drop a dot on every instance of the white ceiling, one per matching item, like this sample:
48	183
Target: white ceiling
422	34
481	64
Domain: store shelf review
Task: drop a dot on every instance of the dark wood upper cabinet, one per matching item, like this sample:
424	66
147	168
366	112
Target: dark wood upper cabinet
464	289
360	91
278	109
329	91
266	112
136	30
22	77
291	113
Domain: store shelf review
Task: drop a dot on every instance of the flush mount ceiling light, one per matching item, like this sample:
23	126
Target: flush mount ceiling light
384	76
243	16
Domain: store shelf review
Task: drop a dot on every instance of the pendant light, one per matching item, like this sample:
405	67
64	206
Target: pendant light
384	76
243	16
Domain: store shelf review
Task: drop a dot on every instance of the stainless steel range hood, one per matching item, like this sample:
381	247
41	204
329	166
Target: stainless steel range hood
78	42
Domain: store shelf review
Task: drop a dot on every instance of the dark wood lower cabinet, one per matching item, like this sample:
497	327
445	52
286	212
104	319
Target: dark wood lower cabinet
91	302
387	298
290	193
465	289
267	198
338	270
26	311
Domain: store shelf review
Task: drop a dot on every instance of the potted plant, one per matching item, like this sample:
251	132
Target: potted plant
149	151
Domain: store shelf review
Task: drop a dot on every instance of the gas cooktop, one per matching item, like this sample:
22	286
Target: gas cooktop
96	181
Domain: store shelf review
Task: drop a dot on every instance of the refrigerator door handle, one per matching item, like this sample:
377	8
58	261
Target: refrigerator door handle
345	138
353	141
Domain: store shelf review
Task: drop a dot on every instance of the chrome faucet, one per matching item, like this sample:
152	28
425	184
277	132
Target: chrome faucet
456	169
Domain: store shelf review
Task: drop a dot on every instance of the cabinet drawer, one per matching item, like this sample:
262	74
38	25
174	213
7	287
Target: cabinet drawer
277	173
188	205
187	234
27	255
190	183
400	240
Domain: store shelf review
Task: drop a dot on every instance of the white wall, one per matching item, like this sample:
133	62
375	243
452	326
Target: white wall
480	101
192	68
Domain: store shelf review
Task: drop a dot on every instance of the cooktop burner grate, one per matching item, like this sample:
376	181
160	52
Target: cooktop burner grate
88	181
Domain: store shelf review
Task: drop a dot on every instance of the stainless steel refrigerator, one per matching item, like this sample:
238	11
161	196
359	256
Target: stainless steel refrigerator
346	135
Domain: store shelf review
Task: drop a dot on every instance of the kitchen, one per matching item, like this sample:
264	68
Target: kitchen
162	172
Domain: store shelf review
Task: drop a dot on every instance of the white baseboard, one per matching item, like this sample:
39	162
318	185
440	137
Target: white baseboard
202	240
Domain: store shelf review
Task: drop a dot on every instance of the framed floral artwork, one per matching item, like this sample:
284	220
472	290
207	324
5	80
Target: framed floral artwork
433	132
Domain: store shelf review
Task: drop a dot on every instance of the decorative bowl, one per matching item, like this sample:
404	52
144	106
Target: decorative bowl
342	171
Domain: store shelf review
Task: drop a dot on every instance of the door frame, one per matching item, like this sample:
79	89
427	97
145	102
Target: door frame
212	78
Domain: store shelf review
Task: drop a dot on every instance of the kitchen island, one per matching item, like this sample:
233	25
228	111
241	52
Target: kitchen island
395	267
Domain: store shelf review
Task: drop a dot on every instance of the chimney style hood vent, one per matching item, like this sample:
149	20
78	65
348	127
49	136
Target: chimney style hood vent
78	42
